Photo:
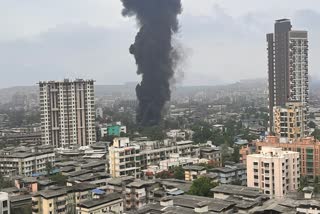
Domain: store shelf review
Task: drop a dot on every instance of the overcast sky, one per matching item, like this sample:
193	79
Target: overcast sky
223	40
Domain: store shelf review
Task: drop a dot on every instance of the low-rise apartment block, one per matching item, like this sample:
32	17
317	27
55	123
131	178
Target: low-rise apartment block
61	199
192	173
136	193
111	203
232	173
139	194
274	171
213	154
128	159
25	160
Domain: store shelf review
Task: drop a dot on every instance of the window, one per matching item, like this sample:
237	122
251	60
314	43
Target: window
50	205
5	204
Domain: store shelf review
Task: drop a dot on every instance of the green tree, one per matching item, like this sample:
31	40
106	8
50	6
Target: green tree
59	179
49	168
236	154
312	124
154	132
178	173
225	154
303	182
202	134
316	185
164	175
202	187
316	134
4	183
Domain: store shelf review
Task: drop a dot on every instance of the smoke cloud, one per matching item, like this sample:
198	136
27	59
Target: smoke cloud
155	56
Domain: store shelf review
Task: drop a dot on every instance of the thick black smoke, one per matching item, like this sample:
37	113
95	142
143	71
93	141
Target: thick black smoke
154	53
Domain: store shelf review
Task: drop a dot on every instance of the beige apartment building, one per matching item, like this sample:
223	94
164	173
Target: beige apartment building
124	159
274	171
290	121
67	113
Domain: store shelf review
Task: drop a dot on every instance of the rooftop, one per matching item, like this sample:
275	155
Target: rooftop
119	181
59	191
140	183
51	193
191	202
96	202
194	168
79	172
237	190
20	198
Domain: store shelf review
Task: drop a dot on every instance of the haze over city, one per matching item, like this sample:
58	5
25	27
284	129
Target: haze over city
223	41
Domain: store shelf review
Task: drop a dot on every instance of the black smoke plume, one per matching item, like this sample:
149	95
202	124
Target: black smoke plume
154	53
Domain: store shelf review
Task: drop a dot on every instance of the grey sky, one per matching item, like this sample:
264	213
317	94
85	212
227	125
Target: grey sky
223	40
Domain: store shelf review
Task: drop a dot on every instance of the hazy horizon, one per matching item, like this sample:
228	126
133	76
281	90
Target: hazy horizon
223	41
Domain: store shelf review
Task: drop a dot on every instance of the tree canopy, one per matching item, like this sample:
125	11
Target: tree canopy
316	134
202	186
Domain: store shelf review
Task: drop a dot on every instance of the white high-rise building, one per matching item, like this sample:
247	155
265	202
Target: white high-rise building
67	112
274	171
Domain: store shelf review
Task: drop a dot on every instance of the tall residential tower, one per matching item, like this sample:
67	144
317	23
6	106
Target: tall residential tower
288	76
67	113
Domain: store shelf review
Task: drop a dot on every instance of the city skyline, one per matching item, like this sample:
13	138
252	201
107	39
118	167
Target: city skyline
90	44
159	106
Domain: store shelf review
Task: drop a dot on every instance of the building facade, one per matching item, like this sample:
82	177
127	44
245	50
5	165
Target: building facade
274	171
139	194
289	122
128	159
112	203
113	130
308	148
287	67
4	203
67	113
192	173
232	174
124	159
61	200
25	161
